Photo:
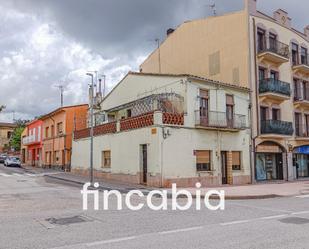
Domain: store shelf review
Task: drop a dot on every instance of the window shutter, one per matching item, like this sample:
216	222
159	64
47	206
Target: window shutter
203	156
236	158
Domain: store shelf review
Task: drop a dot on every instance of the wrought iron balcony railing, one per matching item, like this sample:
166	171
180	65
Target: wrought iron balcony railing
274	46
274	86
220	120
277	127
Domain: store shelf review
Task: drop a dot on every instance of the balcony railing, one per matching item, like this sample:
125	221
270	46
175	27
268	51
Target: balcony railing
274	86
220	120
29	139
277	127
274	46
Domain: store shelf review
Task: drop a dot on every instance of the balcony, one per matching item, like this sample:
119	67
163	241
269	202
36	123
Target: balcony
31	139
302	100
277	127
274	89
219	121
302	66
273	51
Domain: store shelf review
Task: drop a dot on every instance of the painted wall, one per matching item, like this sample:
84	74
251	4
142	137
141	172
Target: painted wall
216	48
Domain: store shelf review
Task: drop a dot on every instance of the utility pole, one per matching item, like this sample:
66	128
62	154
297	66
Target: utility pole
61	88
91	128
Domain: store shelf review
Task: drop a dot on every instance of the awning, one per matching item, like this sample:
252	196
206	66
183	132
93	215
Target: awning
302	149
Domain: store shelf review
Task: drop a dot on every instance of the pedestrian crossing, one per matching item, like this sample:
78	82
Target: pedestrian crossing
23	174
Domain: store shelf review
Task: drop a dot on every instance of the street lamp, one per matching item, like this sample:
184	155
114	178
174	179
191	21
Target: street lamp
91	128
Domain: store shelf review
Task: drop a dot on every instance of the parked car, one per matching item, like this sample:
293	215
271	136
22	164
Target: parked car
2	158
12	161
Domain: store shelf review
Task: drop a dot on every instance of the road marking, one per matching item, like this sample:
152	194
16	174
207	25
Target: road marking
301	212
5	175
17	174
181	230
235	222
27	174
302	196
273	217
110	241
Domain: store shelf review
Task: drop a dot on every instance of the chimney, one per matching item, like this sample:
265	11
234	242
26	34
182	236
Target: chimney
250	6
306	31
169	31
282	17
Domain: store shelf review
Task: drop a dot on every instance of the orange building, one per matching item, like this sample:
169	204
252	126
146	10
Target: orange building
58	128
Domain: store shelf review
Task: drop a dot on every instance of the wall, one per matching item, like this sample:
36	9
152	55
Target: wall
215	48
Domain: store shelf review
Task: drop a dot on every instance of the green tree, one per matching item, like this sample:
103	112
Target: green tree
2	107
15	141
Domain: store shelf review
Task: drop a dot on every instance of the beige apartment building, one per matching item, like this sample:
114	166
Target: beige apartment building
6	131
159	129
264	53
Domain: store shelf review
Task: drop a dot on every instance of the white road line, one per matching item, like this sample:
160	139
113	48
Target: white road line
302	196
17	174
27	174
236	222
301	212
5	175
181	230
273	217
110	241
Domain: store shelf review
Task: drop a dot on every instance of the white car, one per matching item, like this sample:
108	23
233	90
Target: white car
12	161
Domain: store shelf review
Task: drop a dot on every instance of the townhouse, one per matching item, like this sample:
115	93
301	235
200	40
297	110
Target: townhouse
159	129
6	131
57	131
265	54
32	144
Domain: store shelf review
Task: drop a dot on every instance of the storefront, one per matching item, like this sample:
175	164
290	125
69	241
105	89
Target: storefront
269	162
301	161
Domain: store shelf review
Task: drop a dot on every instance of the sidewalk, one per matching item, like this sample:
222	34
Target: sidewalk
255	191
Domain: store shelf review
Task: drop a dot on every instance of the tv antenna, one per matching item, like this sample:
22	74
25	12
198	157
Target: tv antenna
213	8
61	88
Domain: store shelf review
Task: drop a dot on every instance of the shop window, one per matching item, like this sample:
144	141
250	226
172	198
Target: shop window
106	159
203	160
236	160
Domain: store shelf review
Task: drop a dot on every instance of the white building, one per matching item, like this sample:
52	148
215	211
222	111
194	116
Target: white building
163	129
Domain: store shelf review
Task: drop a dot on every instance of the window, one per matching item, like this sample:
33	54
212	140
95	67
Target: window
275	114
203	160
52	131
60	128
9	134
106	159
46	132
307	125
297	91
273	42
304	56
294	54
230	110
261	40
236	160
129	113
263	113
203	106
274	75
306	90
262	73
298	121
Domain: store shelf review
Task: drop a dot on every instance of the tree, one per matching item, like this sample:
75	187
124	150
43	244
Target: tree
2	107
15	141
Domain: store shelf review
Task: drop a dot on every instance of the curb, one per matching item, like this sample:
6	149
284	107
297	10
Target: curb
169	195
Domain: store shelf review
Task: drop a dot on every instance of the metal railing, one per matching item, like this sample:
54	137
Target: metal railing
220	120
274	46
275	86
277	127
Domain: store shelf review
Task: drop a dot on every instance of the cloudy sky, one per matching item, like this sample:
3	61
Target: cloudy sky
44	43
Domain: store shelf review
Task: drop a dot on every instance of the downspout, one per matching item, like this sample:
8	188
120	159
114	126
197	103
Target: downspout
53	138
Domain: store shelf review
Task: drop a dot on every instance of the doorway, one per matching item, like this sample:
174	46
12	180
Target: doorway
144	161
224	166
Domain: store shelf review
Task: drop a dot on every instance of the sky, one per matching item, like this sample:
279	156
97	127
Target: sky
47	43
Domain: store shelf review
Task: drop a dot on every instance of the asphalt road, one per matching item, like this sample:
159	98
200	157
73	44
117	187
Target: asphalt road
37	212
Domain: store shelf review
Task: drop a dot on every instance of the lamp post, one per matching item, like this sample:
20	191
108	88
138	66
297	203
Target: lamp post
91	128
